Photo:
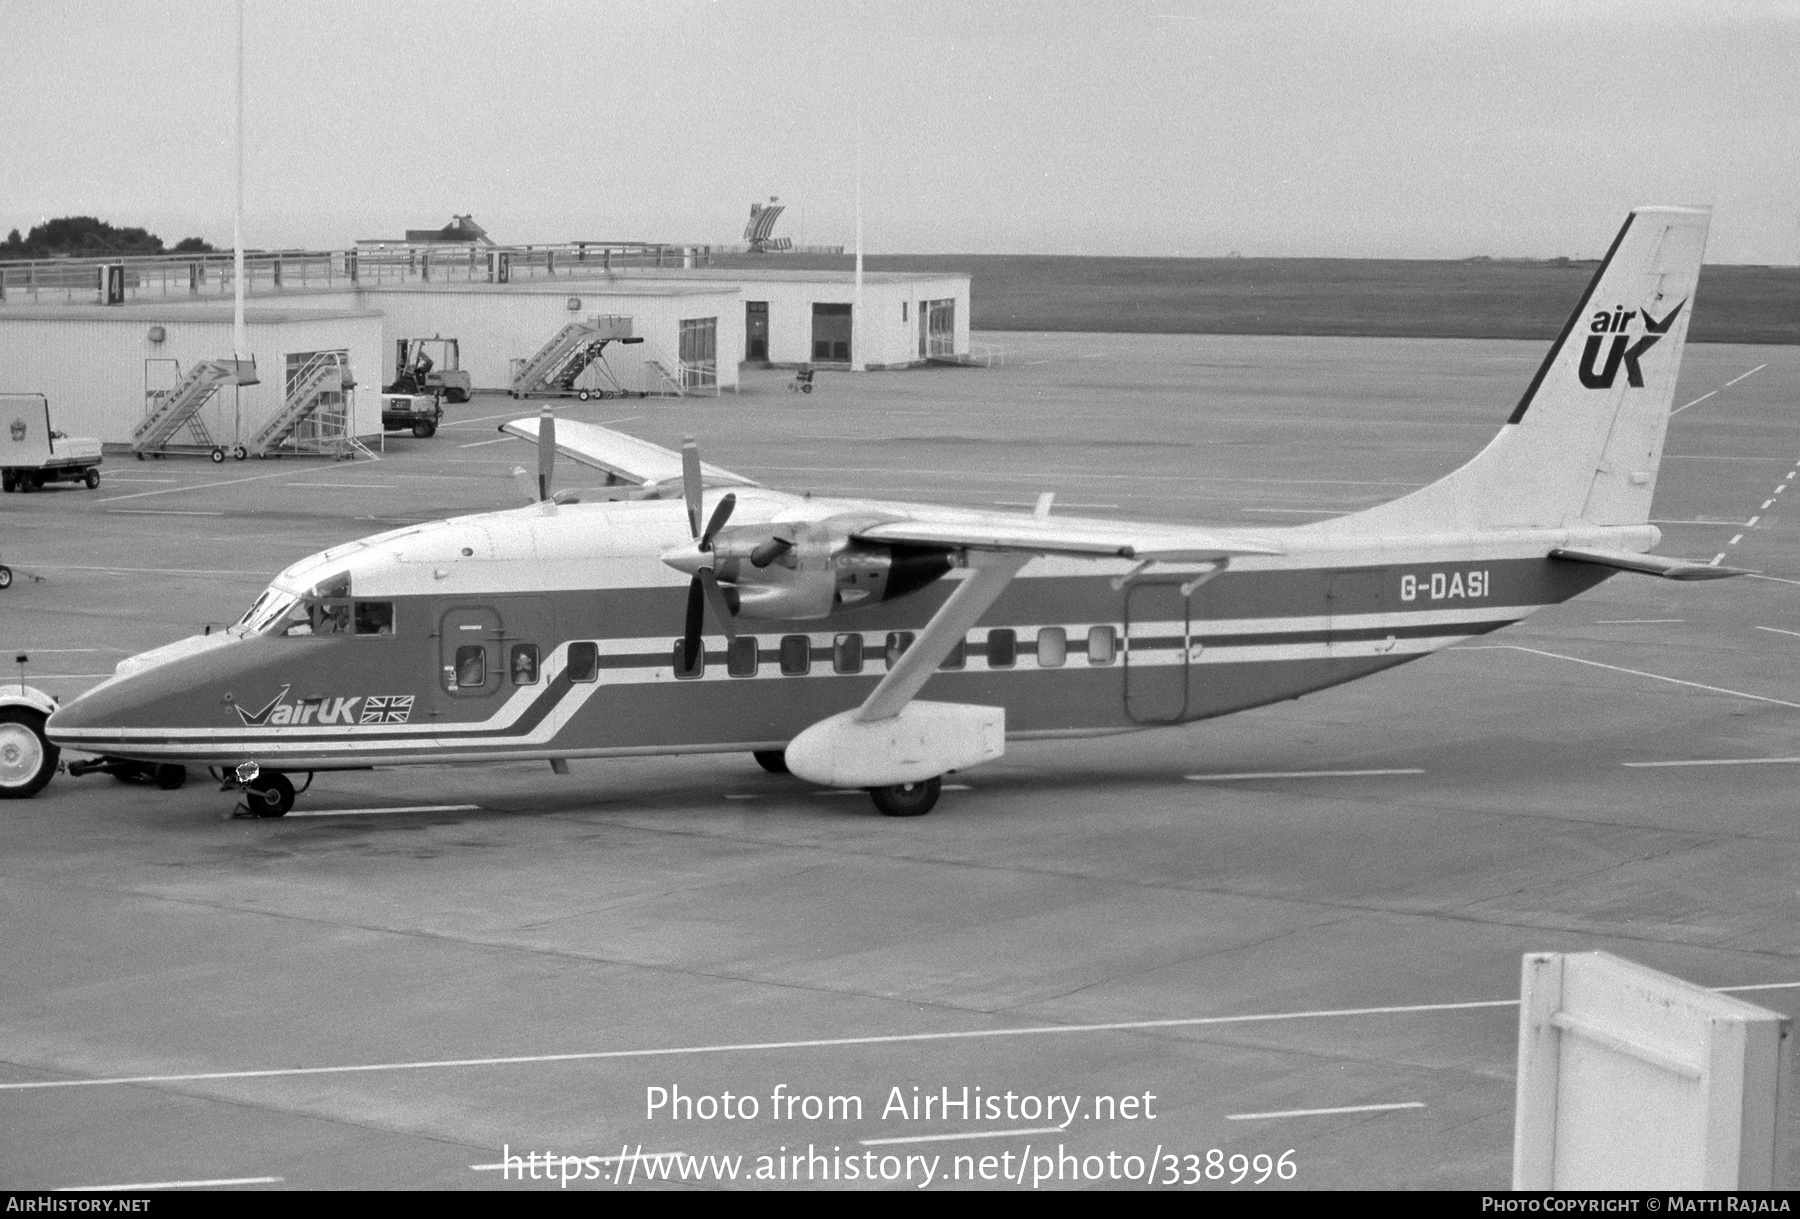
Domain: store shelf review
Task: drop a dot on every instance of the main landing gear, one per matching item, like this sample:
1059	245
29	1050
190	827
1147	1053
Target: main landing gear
270	794
267	793
898	800
907	799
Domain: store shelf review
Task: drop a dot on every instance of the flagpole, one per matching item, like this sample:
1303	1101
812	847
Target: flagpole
240	345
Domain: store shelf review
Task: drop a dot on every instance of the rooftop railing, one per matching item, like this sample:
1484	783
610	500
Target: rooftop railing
143	278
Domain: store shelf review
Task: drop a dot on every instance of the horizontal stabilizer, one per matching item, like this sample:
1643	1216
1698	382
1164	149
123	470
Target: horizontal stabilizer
1649	564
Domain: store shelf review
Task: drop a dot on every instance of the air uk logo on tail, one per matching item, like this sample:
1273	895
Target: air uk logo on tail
1615	323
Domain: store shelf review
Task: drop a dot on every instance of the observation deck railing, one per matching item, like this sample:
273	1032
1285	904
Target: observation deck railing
161	277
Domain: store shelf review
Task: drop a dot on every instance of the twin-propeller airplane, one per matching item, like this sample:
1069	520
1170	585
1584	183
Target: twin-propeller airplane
692	610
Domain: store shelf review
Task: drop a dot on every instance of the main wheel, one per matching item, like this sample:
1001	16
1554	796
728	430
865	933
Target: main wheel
32	480
27	759
91	478
168	775
218	455
907	799
269	794
772	760
5	576
6	480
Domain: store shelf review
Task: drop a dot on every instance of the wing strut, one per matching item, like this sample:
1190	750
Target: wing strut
989	574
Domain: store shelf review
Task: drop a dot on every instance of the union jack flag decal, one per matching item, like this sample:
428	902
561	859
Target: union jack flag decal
392	709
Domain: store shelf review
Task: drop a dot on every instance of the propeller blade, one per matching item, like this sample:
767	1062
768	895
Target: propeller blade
720	515
690	483
769	551
715	597
696	621
546	451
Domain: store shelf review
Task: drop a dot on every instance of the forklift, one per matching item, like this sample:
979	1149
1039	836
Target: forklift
416	372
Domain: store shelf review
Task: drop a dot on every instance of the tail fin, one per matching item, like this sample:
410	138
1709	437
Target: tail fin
1583	445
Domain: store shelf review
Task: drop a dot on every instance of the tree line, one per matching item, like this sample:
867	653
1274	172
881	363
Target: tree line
89	237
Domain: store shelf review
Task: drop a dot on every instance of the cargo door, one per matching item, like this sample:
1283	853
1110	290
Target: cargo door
1156	652
1354	600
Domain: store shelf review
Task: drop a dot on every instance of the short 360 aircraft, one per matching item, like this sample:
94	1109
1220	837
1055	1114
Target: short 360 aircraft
808	627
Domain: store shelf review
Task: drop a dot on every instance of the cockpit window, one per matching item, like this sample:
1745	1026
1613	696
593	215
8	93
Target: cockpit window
326	609
374	617
266	610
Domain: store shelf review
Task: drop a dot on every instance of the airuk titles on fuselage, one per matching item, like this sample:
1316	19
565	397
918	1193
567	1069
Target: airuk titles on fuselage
375	709
1614	322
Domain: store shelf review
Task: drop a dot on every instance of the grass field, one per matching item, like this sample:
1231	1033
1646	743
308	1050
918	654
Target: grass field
1314	296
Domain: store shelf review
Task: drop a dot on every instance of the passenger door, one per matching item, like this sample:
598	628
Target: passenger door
469	659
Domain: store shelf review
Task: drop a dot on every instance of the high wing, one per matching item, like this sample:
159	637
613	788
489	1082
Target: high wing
623	458
1090	538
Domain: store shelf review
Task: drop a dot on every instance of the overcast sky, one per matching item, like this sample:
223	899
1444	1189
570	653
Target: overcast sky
1429	129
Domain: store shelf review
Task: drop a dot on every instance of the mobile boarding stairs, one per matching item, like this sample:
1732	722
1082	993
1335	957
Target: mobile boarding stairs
553	371
305	422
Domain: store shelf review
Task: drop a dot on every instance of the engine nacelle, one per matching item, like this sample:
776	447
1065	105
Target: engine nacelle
815	579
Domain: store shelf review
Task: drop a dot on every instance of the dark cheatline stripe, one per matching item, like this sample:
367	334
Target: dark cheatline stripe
1568	326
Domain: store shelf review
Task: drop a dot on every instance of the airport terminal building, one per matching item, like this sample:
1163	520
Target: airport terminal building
106	342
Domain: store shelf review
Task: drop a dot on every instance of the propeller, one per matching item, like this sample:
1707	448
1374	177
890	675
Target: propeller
546	438
539	491
703	589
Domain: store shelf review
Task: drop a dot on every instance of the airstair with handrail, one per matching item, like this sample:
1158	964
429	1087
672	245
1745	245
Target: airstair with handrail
326	373
669	382
170	409
557	363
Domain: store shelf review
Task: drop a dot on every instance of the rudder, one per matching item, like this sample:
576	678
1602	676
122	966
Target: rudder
1584	443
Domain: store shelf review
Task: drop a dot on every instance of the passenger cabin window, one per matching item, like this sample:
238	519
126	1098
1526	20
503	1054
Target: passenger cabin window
1002	647
897	643
678	660
1103	645
374	617
584	662
959	656
741	657
1052	647
524	664
471	666
796	655
847	654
